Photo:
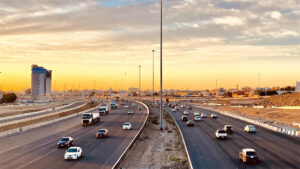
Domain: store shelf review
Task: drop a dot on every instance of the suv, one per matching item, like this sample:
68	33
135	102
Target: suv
248	155
65	142
184	118
250	129
228	129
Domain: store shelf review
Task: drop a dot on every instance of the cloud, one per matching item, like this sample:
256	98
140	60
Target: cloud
276	15
228	20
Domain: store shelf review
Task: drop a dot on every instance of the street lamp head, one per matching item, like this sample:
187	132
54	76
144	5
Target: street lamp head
153	51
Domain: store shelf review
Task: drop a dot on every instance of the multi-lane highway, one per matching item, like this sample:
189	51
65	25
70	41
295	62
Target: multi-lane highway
37	148
275	150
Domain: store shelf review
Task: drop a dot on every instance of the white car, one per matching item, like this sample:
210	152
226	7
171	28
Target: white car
73	153
203	115
221	134
197	118
186	113
130	112
173	110
196	113
127	126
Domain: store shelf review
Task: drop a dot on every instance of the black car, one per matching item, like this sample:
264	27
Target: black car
65	142
184	118
228	129
190	123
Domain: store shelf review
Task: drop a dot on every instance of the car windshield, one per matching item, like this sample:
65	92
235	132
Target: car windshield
251	127
64	139
221	131
72	150
127	124
86	116
250	153
228	127
101	131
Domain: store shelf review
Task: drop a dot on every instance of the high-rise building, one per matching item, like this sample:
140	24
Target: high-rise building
40	82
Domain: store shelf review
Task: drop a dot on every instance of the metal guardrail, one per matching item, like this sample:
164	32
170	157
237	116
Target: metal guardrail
134	139
22	129
35	112
182	138
40	116
274	128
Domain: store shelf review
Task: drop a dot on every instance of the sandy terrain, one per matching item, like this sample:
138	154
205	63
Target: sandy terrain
278	116
155	149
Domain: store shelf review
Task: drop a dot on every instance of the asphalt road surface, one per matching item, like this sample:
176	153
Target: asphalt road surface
37	148
276	151
43	113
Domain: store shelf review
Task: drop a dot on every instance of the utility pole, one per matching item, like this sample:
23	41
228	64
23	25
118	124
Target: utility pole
140	82
161	78
217	87
153	78
125	86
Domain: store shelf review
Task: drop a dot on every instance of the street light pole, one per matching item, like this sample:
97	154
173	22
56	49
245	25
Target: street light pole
153	78
140	82
161	92
125	86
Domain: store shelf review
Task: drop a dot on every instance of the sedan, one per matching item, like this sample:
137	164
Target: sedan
196	114
214	115
65	142
130	112
73	153
197	118
249	129
203	115
127	126
102	133
190	123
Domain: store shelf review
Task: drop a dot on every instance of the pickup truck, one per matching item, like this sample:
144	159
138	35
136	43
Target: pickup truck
221	134
103	110
90	118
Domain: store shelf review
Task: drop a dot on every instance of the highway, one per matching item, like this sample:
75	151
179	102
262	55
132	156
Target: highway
37	148
275	150
33	114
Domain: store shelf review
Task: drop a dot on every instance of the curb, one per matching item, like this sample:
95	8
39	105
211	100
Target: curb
23	129
182	138
134	139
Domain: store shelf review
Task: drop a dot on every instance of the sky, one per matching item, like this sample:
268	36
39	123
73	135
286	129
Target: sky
88	42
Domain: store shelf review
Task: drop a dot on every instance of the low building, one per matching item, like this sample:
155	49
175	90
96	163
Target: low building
297	89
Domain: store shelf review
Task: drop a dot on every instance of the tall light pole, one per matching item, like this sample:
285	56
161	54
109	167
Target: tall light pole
110	87
153	78
125	86
217	87
161	82
140	82
258	83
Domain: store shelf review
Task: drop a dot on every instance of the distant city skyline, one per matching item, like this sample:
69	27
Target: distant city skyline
232	41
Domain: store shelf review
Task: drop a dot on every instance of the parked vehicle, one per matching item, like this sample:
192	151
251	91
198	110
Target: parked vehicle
102	133
127	126
190	123
228	129
184	118
250	129
65	142
73	153
221	134
90	118
248	155
103	110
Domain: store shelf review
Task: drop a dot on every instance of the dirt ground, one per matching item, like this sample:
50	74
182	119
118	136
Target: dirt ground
155	149
51	117
277	116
